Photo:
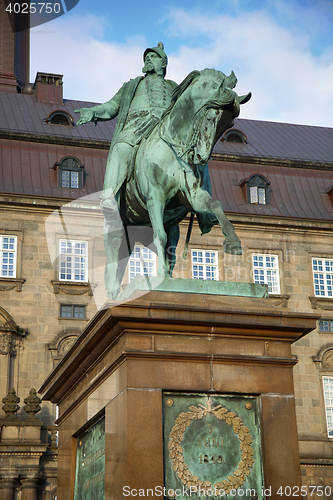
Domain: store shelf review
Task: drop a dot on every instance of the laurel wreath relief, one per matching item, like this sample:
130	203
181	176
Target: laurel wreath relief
183	421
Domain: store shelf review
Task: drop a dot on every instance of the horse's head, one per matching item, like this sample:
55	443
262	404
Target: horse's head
216	112
207	105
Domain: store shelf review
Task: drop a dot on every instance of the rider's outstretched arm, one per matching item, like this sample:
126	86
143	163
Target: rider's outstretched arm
101	112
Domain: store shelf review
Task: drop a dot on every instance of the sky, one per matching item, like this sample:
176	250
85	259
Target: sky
280	50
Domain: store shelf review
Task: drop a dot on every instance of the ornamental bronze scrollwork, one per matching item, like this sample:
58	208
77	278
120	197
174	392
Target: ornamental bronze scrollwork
183	421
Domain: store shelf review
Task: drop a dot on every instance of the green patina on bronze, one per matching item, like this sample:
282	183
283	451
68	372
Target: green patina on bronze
157	169
212	442
194	286
90	463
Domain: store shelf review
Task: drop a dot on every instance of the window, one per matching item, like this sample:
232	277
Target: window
328	397
70	173
72	311
142	262
266	271
59	117
256	191
73	261
8	248
325	325
234	136
204	265
323	277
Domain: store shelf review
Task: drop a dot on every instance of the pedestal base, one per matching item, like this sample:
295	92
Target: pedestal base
134	356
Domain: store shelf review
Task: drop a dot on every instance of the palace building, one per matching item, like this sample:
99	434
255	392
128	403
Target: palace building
275	183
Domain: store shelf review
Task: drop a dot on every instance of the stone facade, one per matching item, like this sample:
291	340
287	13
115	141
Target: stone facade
42	314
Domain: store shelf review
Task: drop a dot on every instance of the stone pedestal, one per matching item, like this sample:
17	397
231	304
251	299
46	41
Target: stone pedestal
26	457
162	342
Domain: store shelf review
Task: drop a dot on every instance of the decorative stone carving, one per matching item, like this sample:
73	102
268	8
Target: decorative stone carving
325	304
11	406
73	288
10	334
63	343
324	357
54	438
32	404
327	360
279	300
7	284
7	344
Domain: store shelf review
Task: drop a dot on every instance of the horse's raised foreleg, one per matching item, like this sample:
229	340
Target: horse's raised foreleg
117	258
202	202
156	209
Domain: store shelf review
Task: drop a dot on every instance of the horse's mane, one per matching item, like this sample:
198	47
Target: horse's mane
186	83
180	89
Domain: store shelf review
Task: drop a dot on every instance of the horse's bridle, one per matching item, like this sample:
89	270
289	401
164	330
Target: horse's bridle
206	107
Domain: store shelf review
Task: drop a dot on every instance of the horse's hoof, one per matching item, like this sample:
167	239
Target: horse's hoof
232	247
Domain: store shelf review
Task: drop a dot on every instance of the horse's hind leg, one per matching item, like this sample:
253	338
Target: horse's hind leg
170	250
202	202
156	209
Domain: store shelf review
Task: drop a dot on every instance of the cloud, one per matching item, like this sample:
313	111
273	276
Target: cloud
289	75
288	82
93	68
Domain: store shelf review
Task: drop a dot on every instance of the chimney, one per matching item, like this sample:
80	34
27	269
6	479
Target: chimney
48	88
14	50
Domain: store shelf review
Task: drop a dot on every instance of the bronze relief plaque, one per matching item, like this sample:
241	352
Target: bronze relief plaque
90	463
212	446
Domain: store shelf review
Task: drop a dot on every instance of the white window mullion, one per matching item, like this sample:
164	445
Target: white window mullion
142	262
205	265
323	277
266	271
328	399
8	251
73	260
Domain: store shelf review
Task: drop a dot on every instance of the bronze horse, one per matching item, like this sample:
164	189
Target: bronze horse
170	175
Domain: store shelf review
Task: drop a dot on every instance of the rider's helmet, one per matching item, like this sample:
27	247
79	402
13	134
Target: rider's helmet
159	50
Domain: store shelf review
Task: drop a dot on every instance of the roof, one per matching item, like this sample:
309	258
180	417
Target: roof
22	113
293	192
30	147
282	141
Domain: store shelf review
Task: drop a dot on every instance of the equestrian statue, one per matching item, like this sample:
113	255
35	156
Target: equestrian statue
157	168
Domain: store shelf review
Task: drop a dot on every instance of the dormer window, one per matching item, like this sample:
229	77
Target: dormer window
235	136
70	173
256	189
60	117
330	193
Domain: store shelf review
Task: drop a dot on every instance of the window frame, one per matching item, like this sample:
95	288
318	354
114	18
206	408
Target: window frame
267	268
86	255
234	132
330	326
73	306
252	185
204	264
9	251
326	294
329	425
62	113
141	261
70	164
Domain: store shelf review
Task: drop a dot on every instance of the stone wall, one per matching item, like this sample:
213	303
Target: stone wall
34	337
